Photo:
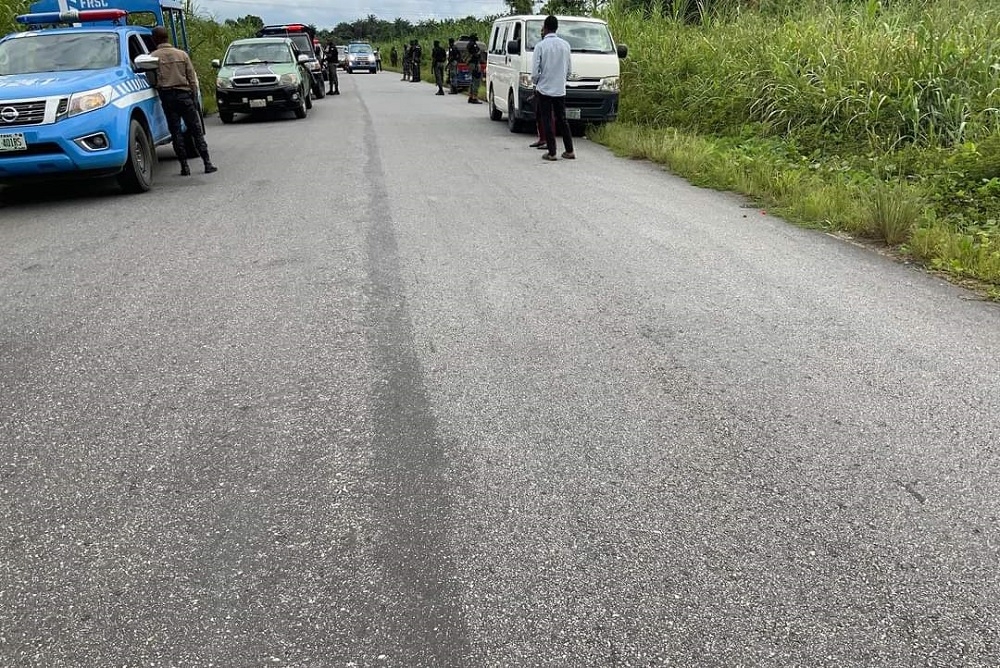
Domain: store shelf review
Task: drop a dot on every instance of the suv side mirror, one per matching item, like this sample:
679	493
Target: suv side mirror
146	63
303	58
622	51
514	46
216	64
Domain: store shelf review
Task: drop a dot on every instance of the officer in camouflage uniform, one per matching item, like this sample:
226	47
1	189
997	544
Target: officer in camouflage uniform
474	56
331	68
415	53
453	57
406	62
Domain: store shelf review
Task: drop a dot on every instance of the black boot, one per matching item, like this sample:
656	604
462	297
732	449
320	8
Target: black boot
209	167
185	170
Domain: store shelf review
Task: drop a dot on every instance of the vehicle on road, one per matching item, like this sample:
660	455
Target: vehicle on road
361	56
592	89
461	76
261	74
302	37
73	100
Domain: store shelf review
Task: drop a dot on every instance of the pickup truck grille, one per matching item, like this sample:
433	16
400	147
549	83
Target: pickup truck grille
248	82
22	113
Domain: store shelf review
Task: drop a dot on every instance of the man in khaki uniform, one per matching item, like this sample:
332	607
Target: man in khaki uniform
177	83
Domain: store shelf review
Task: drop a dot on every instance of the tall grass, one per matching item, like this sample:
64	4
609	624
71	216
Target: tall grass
842	96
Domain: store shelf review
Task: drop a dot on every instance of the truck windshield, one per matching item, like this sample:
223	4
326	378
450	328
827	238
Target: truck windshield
58	52
583	36
360	48
250	54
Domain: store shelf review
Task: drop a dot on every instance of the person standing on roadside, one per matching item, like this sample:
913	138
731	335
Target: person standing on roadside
453	58
438	57
474	56
406	62
331	69
549	72
177	85
393	56
415	54
378	61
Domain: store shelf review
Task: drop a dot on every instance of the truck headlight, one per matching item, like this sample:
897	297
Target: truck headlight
223	83
609	84
289	80
525	81
80	103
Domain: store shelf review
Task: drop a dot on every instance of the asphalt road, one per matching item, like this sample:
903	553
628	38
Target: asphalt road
389	390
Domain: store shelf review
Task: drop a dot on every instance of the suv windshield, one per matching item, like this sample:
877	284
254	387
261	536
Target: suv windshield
583	36
250	54
61	52
359	48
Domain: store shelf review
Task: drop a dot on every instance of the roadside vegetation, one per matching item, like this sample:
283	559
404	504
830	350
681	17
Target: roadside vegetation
877	120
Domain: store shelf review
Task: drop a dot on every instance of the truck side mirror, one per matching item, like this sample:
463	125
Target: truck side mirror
216	64
622	51
146	63
303	58
514	46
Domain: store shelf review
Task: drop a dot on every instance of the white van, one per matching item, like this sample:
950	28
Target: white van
592	90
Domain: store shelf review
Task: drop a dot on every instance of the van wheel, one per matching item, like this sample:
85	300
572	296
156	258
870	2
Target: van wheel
137	177
495	114
513	124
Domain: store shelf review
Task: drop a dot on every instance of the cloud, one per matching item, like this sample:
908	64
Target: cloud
324	15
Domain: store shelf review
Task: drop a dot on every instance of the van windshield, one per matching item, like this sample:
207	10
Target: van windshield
583	36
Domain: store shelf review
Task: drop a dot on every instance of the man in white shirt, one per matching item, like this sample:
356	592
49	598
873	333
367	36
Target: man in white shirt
549	72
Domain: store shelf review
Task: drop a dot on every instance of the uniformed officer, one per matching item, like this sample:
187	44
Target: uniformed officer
406	62
438	56
177	84
331	68
473	56
393	56
415	53
453	57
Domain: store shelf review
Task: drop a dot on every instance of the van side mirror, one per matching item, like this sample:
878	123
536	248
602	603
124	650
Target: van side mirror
622	51
146	63
216	64
514	46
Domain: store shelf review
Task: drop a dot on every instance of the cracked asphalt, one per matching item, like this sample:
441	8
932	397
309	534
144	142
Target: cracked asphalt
389	390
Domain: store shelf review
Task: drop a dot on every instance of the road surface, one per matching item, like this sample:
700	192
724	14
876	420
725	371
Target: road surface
389	390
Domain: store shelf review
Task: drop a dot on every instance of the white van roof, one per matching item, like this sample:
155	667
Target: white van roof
542	17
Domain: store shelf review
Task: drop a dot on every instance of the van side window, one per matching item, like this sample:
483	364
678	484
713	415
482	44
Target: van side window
496	34
503	41
517	32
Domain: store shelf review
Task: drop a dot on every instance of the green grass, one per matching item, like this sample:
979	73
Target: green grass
882	121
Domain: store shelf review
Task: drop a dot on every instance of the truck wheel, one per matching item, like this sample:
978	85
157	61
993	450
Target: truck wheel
495	114
319	91
226	116
137	176
309	100
300	111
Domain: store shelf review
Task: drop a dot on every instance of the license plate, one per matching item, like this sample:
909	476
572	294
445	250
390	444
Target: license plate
258	103
13	143
573	114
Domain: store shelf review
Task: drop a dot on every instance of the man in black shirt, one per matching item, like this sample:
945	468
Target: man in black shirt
473	56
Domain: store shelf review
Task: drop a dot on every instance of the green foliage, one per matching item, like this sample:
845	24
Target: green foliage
879	119
209	39
8	10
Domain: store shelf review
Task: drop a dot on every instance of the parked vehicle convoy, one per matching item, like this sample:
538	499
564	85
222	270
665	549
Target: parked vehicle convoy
592	89
262	73
73	100
302	37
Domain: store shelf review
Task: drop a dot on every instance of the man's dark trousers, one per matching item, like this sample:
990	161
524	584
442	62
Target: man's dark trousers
439	75
180	104
554	109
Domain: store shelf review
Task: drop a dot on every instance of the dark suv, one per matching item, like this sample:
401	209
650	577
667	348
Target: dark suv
302	37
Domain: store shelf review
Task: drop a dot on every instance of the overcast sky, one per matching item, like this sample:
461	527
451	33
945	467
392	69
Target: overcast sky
326	14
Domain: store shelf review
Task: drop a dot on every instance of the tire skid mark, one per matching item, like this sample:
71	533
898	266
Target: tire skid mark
421	618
